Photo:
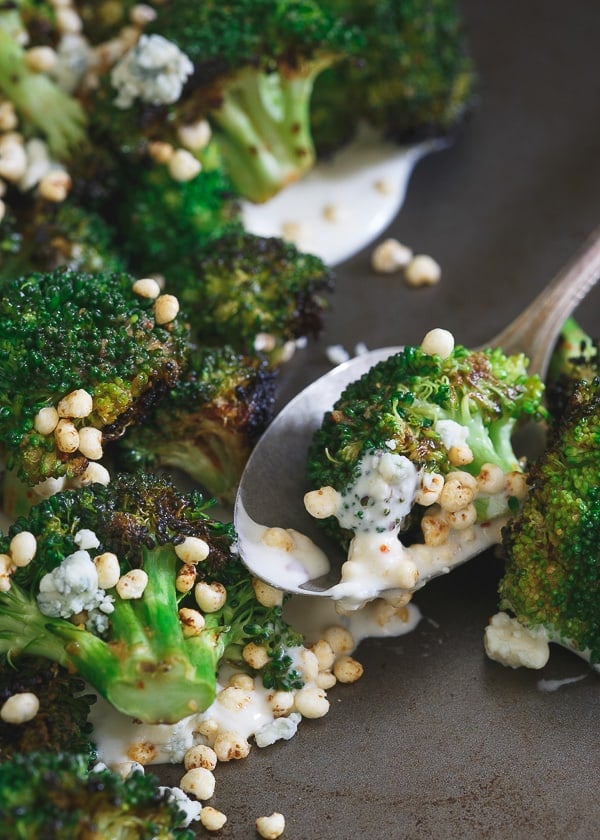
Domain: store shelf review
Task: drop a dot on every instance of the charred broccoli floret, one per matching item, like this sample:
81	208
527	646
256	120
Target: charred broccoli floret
101	583
254	65
61	721
256	294
55	797
79	352
551	583
48	235
164	222
414	78
575	357
419	449
208	424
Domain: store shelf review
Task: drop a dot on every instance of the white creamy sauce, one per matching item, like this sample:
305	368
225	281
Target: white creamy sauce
378	564
114	732
375	507
287	564
344	204
555	685
312	616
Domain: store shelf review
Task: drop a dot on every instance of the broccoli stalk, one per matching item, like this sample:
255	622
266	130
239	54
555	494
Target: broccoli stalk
40	103
263	128
255	62
153	676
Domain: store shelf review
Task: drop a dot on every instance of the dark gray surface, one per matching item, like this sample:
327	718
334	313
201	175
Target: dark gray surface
435	741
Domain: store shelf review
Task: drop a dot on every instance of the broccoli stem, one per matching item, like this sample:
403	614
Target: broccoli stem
156	677
264	131
39	101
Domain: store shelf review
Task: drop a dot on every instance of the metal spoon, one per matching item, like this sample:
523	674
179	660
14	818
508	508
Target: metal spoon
272	486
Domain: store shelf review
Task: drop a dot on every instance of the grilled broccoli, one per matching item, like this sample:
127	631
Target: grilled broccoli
61	721
254	65
112	582
164	222
47	235
256	294
207	425
419	449
55	797
414	79
575	357
550	590
43	108
82	357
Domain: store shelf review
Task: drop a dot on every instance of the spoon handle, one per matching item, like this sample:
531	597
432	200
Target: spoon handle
535	331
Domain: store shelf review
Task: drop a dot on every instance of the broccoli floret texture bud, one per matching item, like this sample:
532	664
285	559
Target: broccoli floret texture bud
552	577
67	331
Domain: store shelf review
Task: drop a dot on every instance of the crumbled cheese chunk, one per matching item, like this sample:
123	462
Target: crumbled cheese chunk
72	587
507	641
280	729
154	70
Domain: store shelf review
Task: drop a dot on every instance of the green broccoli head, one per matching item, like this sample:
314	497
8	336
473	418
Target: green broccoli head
163	222
208	424
450	418
255	62
79	351
111	582
51	235
47	796
415	78
552	578
256	294
61	723
405	403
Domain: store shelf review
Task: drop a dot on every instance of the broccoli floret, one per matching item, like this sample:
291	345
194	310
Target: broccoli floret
254	65
119	626
552	576
55	797
42	106
61	723
208	424
163	222
50	234
420	448
415	78
256	294
575	357
66	332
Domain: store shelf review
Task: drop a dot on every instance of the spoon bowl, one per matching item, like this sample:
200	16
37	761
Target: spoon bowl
271	490
272	485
